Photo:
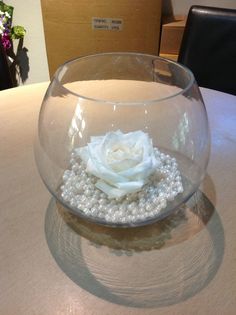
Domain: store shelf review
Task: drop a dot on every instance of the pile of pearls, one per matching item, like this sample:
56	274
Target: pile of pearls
80	193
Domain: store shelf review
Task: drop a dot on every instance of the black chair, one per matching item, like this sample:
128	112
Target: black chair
208	47
5	75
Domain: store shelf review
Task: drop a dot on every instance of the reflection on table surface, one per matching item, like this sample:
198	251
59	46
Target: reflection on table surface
151	266
54	263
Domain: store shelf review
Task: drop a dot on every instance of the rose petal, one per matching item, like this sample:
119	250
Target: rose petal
109	190
100	171
131	186
82	153
142	170
123	165
120	190
122	162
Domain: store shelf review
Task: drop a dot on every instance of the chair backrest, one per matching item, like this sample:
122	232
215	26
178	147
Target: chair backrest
208	47
5	75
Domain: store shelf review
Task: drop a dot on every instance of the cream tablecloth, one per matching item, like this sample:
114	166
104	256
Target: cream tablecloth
51	263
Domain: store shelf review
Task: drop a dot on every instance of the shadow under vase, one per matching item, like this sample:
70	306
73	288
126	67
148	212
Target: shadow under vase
152	266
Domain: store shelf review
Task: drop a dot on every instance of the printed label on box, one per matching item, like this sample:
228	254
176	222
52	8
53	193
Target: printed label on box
109	24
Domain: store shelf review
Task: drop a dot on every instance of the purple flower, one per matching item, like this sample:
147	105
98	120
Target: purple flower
7	32
6	42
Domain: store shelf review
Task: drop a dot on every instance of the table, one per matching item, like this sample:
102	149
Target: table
49	263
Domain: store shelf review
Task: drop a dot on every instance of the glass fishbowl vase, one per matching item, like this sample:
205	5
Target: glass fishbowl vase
123	138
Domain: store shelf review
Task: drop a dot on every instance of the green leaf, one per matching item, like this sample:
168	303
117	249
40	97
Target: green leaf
6	8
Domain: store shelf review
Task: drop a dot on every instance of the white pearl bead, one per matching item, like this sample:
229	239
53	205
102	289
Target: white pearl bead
102	201
94	210
123	207
148	207
78	189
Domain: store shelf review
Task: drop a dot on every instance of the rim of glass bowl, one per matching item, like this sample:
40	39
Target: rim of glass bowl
152	101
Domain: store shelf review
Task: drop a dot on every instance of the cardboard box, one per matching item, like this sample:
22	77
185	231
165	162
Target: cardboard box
169	56
81	27
171	35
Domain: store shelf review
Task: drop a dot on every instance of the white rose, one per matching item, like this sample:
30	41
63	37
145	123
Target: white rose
122	162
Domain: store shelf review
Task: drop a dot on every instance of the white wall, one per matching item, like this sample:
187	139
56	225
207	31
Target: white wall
28	14
181	7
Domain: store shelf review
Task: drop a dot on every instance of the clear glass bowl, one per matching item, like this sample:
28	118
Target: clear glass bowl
113	95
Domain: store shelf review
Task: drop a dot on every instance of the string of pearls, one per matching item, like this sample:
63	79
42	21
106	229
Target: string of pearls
79	192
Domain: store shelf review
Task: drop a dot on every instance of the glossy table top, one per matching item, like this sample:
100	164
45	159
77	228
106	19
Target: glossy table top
53	263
